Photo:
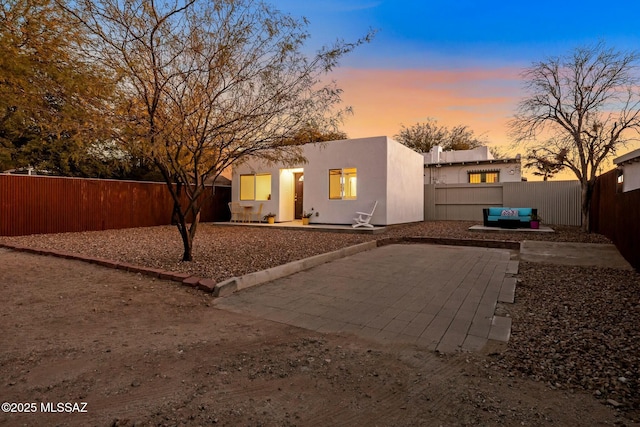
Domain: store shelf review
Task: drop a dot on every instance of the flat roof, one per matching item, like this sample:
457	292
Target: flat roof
632	156
472	162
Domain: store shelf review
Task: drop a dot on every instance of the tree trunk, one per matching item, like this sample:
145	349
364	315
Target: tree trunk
187	233
180	220
587	193
187	241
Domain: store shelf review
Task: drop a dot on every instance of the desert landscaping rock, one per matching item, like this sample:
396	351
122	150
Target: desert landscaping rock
144	351
223	252
577	328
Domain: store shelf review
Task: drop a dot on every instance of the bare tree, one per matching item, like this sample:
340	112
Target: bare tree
546	164
210	83
421	137
585	106
497	152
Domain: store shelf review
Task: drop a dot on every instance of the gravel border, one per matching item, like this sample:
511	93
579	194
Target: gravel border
576	328
221	252
573	327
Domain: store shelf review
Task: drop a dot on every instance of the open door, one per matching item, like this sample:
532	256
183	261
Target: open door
298	194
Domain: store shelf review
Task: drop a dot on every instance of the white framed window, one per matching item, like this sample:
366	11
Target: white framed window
255	187
343	184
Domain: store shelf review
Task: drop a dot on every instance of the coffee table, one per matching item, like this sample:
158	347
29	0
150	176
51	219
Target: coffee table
508	222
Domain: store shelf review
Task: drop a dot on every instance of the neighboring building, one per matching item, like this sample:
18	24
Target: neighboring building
628	170
469	166
29	171
339	179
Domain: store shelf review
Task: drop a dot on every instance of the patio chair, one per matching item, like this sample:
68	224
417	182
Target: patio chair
236	211
363	218
258	213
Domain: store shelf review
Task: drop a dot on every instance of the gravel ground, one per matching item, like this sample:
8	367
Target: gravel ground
574	328
221	252
577	328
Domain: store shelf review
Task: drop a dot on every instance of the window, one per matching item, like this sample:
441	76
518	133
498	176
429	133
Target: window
255	187
343	183
620	181
484	177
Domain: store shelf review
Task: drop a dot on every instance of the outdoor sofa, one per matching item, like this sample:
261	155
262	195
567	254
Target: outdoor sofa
505	217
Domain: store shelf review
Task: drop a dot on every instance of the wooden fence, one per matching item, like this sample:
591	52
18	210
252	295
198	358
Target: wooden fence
40	204
617	215
558	202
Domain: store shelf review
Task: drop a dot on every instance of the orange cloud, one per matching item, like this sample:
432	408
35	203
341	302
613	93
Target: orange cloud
383	100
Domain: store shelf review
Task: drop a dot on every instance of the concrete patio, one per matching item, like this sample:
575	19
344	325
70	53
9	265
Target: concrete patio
440	297
297	224
485	229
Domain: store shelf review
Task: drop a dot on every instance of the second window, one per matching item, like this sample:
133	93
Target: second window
343	183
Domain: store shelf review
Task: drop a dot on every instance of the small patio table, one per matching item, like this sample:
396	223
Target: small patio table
246	215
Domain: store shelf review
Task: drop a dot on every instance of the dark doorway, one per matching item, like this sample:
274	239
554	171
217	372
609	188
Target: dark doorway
299	190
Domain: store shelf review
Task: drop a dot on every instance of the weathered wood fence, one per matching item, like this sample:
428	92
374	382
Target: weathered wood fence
617	215
42	204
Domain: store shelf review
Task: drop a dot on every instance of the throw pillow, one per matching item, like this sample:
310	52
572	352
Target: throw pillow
509	212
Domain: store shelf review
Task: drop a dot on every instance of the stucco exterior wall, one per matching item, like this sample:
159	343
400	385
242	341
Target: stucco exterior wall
367	155
458	174
250	167
630	165
631	176
386	171
405	189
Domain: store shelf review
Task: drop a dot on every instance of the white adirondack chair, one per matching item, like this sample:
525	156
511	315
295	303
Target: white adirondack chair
363	218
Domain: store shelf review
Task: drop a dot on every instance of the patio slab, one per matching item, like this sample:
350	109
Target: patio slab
485	229
441	297
297	225
578	254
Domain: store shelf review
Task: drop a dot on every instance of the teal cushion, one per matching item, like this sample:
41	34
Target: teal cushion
496	211
524	211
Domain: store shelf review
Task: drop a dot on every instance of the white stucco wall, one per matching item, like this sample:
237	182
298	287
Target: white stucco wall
465	161
386	171
630	164
255	166
437	155
368	156
631	176
405	189
458	174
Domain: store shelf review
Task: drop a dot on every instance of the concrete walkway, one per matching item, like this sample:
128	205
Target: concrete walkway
578	254
441	297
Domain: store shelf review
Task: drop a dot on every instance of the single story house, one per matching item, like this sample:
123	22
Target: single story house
339	179
628	170
474	166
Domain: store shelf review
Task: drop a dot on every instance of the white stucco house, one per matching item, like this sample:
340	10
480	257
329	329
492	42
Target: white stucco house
339	179
474	166
628	170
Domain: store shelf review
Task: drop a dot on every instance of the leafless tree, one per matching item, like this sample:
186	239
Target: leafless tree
545	164
208	84
584	106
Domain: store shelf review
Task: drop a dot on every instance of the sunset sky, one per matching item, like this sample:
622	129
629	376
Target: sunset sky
456	62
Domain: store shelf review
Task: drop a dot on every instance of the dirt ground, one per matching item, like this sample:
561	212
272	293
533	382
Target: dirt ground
140	351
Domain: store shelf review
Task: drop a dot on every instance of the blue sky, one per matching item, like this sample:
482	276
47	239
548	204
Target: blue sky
446	34
456	62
